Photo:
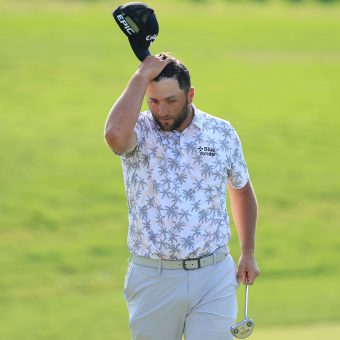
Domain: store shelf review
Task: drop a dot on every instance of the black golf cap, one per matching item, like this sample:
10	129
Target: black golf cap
139	23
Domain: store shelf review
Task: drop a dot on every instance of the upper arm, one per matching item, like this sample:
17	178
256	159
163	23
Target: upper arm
243	196
247	188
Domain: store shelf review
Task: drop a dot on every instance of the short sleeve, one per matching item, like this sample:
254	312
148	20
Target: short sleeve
238	176
140	127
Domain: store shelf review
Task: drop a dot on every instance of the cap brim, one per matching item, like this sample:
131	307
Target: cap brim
140	52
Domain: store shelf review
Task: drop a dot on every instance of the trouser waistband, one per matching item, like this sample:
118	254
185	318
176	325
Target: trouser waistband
187	264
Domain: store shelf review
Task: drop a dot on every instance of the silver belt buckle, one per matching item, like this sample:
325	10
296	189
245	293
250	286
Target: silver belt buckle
190	266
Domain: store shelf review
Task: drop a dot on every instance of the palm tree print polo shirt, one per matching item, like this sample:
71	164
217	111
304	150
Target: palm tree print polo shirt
176	186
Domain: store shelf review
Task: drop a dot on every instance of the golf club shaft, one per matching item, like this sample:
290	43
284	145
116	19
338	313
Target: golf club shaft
246	302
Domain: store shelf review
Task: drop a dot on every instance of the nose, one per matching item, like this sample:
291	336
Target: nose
163	109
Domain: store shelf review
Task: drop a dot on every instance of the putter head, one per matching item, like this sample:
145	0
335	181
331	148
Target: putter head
242	329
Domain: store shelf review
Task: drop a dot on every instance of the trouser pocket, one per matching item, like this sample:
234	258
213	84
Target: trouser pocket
127	280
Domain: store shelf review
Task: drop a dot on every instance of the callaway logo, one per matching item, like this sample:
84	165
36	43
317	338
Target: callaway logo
206	151
126	25
151	37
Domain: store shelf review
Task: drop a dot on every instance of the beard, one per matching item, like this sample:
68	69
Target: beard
178	121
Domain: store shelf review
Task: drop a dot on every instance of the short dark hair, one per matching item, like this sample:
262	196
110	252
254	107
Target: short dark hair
175	69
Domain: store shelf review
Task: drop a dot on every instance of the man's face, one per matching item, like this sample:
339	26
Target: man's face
169	105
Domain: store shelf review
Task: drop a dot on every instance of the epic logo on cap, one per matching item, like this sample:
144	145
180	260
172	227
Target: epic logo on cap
127	27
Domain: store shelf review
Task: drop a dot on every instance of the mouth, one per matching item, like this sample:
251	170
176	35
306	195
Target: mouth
166	121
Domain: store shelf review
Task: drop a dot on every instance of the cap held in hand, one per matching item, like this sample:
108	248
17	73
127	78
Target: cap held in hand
139	23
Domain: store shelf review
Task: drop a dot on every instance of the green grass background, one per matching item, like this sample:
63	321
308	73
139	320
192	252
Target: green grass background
271	68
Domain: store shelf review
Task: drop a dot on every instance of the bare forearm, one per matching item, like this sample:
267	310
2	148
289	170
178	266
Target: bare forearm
123	116
120	123
244	211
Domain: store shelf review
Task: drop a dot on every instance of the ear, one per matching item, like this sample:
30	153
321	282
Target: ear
191	95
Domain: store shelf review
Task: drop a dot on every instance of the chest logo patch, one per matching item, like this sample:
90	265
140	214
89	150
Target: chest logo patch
207	151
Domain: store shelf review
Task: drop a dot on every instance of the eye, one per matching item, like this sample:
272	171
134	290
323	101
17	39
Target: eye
171	101
153	101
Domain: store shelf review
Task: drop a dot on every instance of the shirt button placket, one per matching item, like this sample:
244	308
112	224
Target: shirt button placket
180	148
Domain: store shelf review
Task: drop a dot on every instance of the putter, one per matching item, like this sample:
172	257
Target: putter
244	328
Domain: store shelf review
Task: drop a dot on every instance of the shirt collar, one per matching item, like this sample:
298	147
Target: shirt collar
197	120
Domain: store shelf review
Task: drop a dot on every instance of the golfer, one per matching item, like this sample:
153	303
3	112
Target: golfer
178	162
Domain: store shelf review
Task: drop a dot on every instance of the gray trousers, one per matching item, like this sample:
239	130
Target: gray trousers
166	304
